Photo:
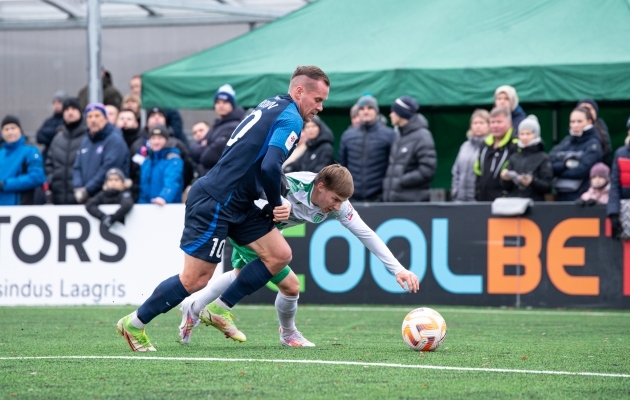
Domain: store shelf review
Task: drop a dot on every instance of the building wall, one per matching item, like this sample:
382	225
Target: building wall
35	64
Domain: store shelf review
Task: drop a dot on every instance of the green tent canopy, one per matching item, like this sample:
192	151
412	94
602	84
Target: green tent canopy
446	52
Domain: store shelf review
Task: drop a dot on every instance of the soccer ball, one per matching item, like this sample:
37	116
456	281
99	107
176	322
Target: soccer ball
424	329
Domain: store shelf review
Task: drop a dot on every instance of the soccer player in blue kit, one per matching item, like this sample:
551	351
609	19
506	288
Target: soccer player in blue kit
221	204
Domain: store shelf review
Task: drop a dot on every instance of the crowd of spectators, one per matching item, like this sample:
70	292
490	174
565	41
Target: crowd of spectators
84	145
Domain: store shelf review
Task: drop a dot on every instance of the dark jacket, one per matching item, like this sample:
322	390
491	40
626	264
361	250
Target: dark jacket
518	115
175	122
364	150
111	95
217	137
619	180
319	152
21	173
586	150
48	130
604	136
412	163
124	198
131	135
531	160
97	154
489	165
60	162
161	176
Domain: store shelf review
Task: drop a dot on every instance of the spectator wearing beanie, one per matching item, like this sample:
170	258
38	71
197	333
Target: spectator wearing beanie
229	115
364	150
319	152
505	97
619	186
22	169
599	191
115	191
63	151
48	130
161	179
102	148
412	158
463	182
528	173
573	158
600	127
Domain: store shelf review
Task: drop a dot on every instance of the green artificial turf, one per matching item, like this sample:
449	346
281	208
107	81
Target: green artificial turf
477	338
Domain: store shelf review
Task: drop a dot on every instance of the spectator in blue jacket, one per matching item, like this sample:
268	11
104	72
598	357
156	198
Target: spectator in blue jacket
21	166
619	186
101	149
505	97
48	130
161	173
573	158
364	150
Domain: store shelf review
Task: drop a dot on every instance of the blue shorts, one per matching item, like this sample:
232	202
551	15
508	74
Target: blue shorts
208	223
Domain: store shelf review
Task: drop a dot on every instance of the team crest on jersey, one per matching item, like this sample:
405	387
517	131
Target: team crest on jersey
318	218
291	140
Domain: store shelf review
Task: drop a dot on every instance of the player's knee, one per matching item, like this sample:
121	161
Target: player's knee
280	257
290	286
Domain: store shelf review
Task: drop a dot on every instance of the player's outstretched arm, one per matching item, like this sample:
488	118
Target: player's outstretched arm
272	175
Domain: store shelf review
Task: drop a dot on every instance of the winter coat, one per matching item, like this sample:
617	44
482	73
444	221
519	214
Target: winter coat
130	136
21	173
161	176
175	122
518	115
110	196
412	163
319	152
98	153
619	180
489	165
111	95
364	150
217	137
604	137
60	162
599	195
531	160
586	150
48	130
464	178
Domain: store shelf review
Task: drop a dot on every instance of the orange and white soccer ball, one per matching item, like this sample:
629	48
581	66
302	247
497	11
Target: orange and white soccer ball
424	329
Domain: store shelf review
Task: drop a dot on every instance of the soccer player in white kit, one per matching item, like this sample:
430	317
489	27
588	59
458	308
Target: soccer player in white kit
314	198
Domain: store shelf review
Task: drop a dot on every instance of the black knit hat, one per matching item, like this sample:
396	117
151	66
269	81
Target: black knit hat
591	102
160	130
155	110
405	106
71	102
11	119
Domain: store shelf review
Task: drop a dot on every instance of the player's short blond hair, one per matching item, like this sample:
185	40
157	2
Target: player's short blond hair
336	178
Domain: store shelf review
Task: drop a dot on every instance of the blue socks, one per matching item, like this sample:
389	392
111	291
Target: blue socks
167	295
252	277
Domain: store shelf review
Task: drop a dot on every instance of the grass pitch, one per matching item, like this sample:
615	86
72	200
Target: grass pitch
371	358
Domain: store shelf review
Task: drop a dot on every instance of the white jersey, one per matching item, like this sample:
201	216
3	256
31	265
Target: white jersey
302	211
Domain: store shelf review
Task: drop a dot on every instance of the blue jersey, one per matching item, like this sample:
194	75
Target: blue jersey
236	178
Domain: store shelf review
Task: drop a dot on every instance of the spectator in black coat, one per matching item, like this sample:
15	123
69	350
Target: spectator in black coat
114	192
229	116
199	130
573	158
505	97
412	159
48	130
319	151
111	95
528	173
365	151
600	127
619	186
63	151
129	125
101	149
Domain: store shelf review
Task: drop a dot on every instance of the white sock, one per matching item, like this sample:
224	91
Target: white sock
135	321
286	306
215	287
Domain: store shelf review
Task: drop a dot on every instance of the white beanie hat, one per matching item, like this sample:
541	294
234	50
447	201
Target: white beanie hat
511	94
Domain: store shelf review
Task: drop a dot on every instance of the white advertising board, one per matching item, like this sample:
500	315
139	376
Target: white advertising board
57	255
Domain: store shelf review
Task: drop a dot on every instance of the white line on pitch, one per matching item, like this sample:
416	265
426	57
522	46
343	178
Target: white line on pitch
325	362
453	310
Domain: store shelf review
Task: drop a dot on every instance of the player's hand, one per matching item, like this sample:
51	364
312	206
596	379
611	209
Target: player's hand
410	279
281	213
159	201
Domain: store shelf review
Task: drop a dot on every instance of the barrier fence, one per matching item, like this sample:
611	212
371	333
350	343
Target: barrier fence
557	255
